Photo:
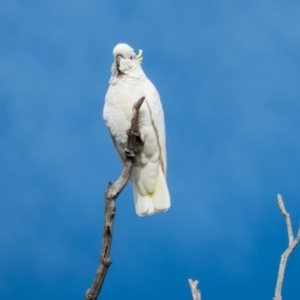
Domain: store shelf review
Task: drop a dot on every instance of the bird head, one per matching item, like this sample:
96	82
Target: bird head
125	59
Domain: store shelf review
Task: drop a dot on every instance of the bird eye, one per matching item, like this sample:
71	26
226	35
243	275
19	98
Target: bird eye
130	57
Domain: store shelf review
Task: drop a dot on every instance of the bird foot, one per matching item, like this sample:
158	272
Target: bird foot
132	133
128	153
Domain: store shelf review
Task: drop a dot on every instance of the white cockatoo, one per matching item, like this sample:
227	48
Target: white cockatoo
128	83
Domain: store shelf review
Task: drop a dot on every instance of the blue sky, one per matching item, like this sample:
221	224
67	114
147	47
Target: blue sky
228	75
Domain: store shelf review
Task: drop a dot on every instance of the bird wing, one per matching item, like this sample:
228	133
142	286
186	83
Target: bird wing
157	115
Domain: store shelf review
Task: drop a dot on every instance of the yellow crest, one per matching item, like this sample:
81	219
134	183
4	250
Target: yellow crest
139	57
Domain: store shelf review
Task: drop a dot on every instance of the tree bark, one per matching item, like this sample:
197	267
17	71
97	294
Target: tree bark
292	245
113	191
196	294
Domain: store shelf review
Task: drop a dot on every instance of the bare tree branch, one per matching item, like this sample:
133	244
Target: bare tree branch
113	191
292	245
287	218
195	292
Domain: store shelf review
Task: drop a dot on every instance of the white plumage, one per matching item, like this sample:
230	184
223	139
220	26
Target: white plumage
128	83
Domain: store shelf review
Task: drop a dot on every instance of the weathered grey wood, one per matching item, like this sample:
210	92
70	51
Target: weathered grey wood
292	245
113	191
196	294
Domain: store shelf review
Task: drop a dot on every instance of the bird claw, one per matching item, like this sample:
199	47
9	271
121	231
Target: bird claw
132	133
128	153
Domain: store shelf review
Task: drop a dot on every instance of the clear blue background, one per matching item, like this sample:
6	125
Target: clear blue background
228	73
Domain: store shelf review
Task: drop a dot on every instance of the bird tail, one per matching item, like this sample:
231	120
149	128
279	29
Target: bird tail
153	203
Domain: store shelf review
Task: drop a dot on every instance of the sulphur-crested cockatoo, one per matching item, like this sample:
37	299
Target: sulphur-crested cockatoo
128	83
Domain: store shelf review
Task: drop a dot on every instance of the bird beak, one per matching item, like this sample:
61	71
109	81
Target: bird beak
118	58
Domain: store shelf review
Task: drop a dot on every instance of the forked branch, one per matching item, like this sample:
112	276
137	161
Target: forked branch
293	242
113	191
196	294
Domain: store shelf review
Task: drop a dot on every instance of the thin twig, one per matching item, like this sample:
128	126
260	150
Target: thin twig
287	218
292	245
195	292
113	191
